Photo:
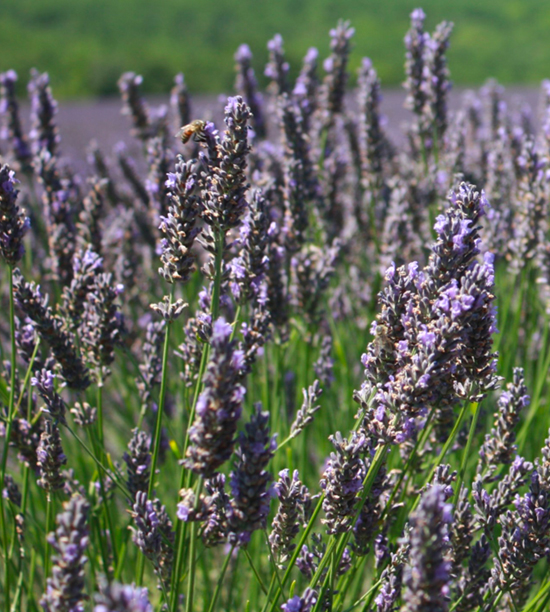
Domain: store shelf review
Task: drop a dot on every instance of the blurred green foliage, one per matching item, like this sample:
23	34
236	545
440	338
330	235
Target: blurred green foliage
86	44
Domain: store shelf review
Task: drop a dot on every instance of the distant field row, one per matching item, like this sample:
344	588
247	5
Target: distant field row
86	44
101	120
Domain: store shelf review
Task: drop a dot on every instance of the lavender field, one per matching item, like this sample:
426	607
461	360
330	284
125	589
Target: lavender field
279	350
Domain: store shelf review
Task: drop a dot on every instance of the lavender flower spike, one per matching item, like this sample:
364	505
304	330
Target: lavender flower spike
248	270
44	133
11	129
153	535
305	91
116	597
50	329
219	406
129	85
250	479
499	447
102	323
294	499
416	41
427	577
65	588
55	404
301	604
138	462
178	228
334	84
224	196
50	458
342	481
180	100
277	68
247	87
13	223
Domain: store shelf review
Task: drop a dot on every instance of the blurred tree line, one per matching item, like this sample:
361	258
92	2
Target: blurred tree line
86	44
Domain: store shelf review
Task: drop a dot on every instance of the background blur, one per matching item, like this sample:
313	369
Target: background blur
86	44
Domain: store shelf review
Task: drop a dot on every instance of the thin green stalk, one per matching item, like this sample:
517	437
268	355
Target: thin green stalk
26	470
219	241
100	465
121	560
217	590
236	321
255	571
339	544
192	552
100	433
7	438
295	555
541	600
347	581
185	480
18	589
96	524
420	440
331	578
32	570
366	597
533	409
232	579
100	452
160	409
272	559
49	518
448	442
467	450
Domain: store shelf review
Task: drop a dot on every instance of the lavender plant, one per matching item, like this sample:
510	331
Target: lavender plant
330	258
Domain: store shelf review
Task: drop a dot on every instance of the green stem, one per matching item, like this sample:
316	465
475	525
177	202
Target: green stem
49	504
466	454
185	480
420	440
100	465
236	321
7	438
160	409
107	502
296	554
255	571
344	589
448	442
18	589
100	433
219	241
217	590
26	471
192	552
339	544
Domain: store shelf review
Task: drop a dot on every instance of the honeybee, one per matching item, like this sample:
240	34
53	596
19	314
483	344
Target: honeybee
191	129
